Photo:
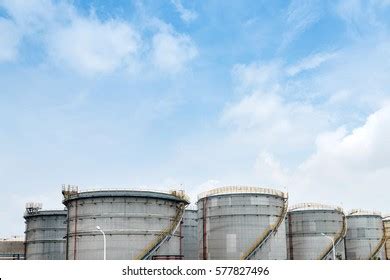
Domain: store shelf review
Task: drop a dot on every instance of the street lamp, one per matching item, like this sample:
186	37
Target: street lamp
104	242
331	239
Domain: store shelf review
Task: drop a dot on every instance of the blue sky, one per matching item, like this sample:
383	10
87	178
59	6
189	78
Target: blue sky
193	94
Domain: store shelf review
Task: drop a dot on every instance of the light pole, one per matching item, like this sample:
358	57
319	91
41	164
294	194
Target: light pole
331	239
104	242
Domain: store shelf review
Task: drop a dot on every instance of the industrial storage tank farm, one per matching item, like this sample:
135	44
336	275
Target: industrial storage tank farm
311	230
242	223
138	224
365	238
45	233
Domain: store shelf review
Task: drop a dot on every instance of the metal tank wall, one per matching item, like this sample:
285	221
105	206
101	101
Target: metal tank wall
137	224
44	235
242	223
386	222
12	248
190	234
306	225
365	236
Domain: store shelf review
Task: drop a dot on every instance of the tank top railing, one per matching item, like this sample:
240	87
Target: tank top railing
263	238
340	237
164	235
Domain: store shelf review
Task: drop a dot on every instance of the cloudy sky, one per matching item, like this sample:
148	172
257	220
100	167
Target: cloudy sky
194	94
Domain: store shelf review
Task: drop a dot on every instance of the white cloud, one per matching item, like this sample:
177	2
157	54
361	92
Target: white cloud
34	14
171	52
88	45
353	167
299	126
185	14
267	113
362	17
9	40
347	168
309	63
270	170
257	76
301	14
91	46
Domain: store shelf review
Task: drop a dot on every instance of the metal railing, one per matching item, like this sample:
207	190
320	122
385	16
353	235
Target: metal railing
315	206
356	212
241	189
69	190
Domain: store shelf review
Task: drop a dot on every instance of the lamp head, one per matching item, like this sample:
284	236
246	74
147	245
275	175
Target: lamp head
98	228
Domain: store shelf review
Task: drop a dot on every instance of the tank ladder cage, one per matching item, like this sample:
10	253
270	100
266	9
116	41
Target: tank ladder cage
340	237
163	236
271	230
381	243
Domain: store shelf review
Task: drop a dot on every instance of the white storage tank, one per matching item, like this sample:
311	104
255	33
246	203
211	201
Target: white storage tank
138	224
241	222
365	238
45	233
313	228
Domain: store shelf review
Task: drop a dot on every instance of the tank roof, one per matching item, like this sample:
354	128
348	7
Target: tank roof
175	195
361	212
314	206
241	190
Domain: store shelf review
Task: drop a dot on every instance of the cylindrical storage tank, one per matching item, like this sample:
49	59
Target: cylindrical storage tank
312	230
386	223
190	234
137	224
242	223
365	236
45	234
